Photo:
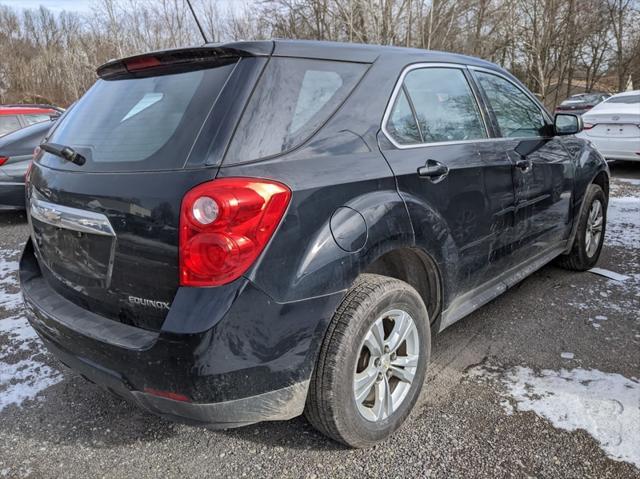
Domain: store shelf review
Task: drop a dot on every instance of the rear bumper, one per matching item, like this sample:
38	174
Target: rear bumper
253	365
281	404
619	155
11	195
616	148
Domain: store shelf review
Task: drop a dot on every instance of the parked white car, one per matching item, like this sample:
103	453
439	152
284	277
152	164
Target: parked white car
613	126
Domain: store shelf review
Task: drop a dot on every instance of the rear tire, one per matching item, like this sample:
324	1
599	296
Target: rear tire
379	333
589	239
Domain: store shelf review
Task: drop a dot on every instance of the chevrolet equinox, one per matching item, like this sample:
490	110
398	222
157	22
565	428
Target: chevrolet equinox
245	232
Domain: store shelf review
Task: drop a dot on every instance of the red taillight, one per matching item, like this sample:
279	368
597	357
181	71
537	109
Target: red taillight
142	63
588	126
3	160
224	226
167	394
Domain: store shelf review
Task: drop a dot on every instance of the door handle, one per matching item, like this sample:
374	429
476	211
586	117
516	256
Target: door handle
434	170
519	160
524	165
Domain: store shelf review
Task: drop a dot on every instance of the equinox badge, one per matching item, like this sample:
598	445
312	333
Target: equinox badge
148	302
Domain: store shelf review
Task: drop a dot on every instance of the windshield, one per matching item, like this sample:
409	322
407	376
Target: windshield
629	99
139	124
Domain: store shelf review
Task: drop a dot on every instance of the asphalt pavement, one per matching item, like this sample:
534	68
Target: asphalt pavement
544	381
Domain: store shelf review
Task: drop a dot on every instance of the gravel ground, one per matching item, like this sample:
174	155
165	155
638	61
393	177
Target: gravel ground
469	421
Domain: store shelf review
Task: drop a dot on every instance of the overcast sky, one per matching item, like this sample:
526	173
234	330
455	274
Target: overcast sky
76	5
54	5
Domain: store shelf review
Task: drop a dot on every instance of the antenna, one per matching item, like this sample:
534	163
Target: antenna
195	17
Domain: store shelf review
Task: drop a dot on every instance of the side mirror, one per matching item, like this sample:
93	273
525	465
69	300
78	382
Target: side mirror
567	124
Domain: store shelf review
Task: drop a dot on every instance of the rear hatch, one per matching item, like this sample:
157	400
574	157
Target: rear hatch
106	232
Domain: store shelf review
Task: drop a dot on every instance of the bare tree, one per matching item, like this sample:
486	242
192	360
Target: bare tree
553	46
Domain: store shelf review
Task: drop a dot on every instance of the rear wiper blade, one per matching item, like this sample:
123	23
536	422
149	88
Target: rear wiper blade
64	152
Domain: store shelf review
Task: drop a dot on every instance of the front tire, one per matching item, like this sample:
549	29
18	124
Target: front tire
589	239
372	362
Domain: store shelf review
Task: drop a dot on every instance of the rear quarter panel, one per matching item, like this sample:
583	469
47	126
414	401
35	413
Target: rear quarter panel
303	259
342	166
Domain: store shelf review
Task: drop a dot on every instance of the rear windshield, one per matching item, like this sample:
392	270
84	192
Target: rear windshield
140	124
630	99
293	98
582	99
36	118
8	123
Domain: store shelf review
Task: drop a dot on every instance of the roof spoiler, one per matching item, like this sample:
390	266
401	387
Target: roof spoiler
32	105
182	59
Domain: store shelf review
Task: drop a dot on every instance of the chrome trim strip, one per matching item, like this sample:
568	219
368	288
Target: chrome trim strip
70	218
398	87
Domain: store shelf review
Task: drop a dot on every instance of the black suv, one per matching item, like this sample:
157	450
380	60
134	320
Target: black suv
245	232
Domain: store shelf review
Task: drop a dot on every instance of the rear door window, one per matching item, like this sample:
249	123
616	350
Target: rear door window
8	123
445	108
293	98
402	124
140	124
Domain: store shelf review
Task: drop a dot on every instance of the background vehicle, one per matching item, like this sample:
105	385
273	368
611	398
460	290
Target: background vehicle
581	102
16	153
14	117
243	232
613	127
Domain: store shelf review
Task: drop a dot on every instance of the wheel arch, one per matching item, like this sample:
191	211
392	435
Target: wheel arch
596	176
602	180
416	268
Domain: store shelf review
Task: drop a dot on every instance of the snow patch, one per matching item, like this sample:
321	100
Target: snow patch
10	296
21	335
605	405
631	181
24	380
22	376
623	227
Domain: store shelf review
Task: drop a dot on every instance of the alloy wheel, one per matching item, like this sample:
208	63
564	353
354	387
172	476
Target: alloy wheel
595	223
386	366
